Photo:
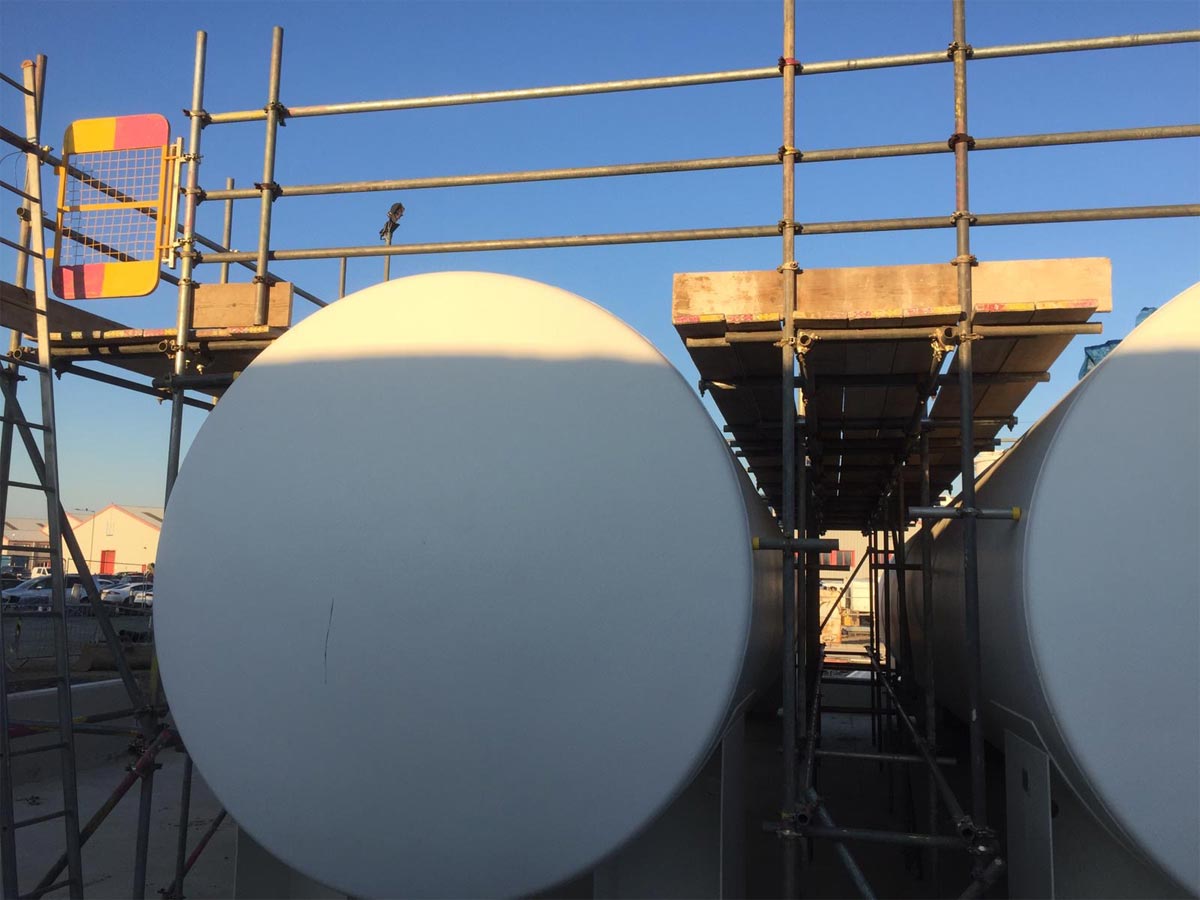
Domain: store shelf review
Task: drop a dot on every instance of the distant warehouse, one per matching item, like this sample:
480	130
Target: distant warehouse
119	539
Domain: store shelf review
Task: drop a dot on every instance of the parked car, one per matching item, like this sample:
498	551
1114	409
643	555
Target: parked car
35	593
122	592
9	580
144	597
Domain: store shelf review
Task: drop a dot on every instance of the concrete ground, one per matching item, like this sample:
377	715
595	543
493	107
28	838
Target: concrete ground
108	856
101	763
857	793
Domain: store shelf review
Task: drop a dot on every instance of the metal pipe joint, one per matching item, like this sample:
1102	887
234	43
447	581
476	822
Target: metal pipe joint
963	512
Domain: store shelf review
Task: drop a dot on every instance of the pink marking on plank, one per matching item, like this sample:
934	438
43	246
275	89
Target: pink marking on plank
150	130
82	282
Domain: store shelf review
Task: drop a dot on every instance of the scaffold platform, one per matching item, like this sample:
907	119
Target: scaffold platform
217	344
872	342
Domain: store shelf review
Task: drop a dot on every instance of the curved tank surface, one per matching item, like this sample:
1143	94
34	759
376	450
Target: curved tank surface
456	589
1090	603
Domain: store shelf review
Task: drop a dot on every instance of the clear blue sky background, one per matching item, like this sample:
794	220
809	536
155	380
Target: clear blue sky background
123	58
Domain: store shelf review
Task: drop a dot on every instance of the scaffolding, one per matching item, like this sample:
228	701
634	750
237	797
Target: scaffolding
798	461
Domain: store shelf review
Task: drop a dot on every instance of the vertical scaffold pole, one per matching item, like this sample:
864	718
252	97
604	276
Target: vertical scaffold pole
8	840
812	590
963	260
889	741
227	231
788	448
187	256
267	185
197	119
927	631
50	484
904	636
873	604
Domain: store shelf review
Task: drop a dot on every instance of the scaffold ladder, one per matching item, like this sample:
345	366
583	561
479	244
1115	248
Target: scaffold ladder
45	465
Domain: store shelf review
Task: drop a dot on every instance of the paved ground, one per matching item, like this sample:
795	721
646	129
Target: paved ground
857	793
108	856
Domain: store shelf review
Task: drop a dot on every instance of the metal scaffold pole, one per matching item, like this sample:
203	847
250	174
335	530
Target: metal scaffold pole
788	448
50	484
267	187
964	261
227	231
197	118
927	631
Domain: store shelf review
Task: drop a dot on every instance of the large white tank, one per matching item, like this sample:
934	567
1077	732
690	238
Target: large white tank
456	590
1090	603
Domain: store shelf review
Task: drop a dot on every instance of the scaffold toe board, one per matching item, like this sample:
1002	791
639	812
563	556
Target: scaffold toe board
871	344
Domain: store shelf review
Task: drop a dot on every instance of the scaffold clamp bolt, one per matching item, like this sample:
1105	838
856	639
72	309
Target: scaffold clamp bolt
954	46
785	61
959	137
280	110
274	188
785	149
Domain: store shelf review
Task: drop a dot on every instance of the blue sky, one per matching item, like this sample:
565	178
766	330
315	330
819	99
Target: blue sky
124	58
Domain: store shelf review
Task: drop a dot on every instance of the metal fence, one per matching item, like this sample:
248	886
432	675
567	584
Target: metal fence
29	636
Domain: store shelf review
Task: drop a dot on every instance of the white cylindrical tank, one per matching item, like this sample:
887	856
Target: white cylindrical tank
456	590
1090	603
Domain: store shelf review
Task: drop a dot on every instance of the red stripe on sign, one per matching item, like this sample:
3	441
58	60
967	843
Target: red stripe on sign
150	130
79	282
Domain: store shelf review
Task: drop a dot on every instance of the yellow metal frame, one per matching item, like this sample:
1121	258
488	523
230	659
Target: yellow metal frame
118	275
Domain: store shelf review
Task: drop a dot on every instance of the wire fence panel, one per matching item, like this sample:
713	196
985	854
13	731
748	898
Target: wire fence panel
29	636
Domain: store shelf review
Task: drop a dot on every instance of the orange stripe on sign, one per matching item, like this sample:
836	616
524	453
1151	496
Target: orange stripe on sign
150	130
79	282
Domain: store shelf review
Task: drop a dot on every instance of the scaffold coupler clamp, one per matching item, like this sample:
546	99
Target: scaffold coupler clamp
938	344
954	46
273	187
785	61
784	827
960	137
984	846
204	117
280	110
785	150
792	266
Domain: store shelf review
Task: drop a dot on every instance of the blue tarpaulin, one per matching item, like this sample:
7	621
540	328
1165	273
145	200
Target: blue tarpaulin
1092	355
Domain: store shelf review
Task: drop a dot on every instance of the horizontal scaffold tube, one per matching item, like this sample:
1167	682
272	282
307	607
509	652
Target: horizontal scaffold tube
537	93
668	81
709	163
715	234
